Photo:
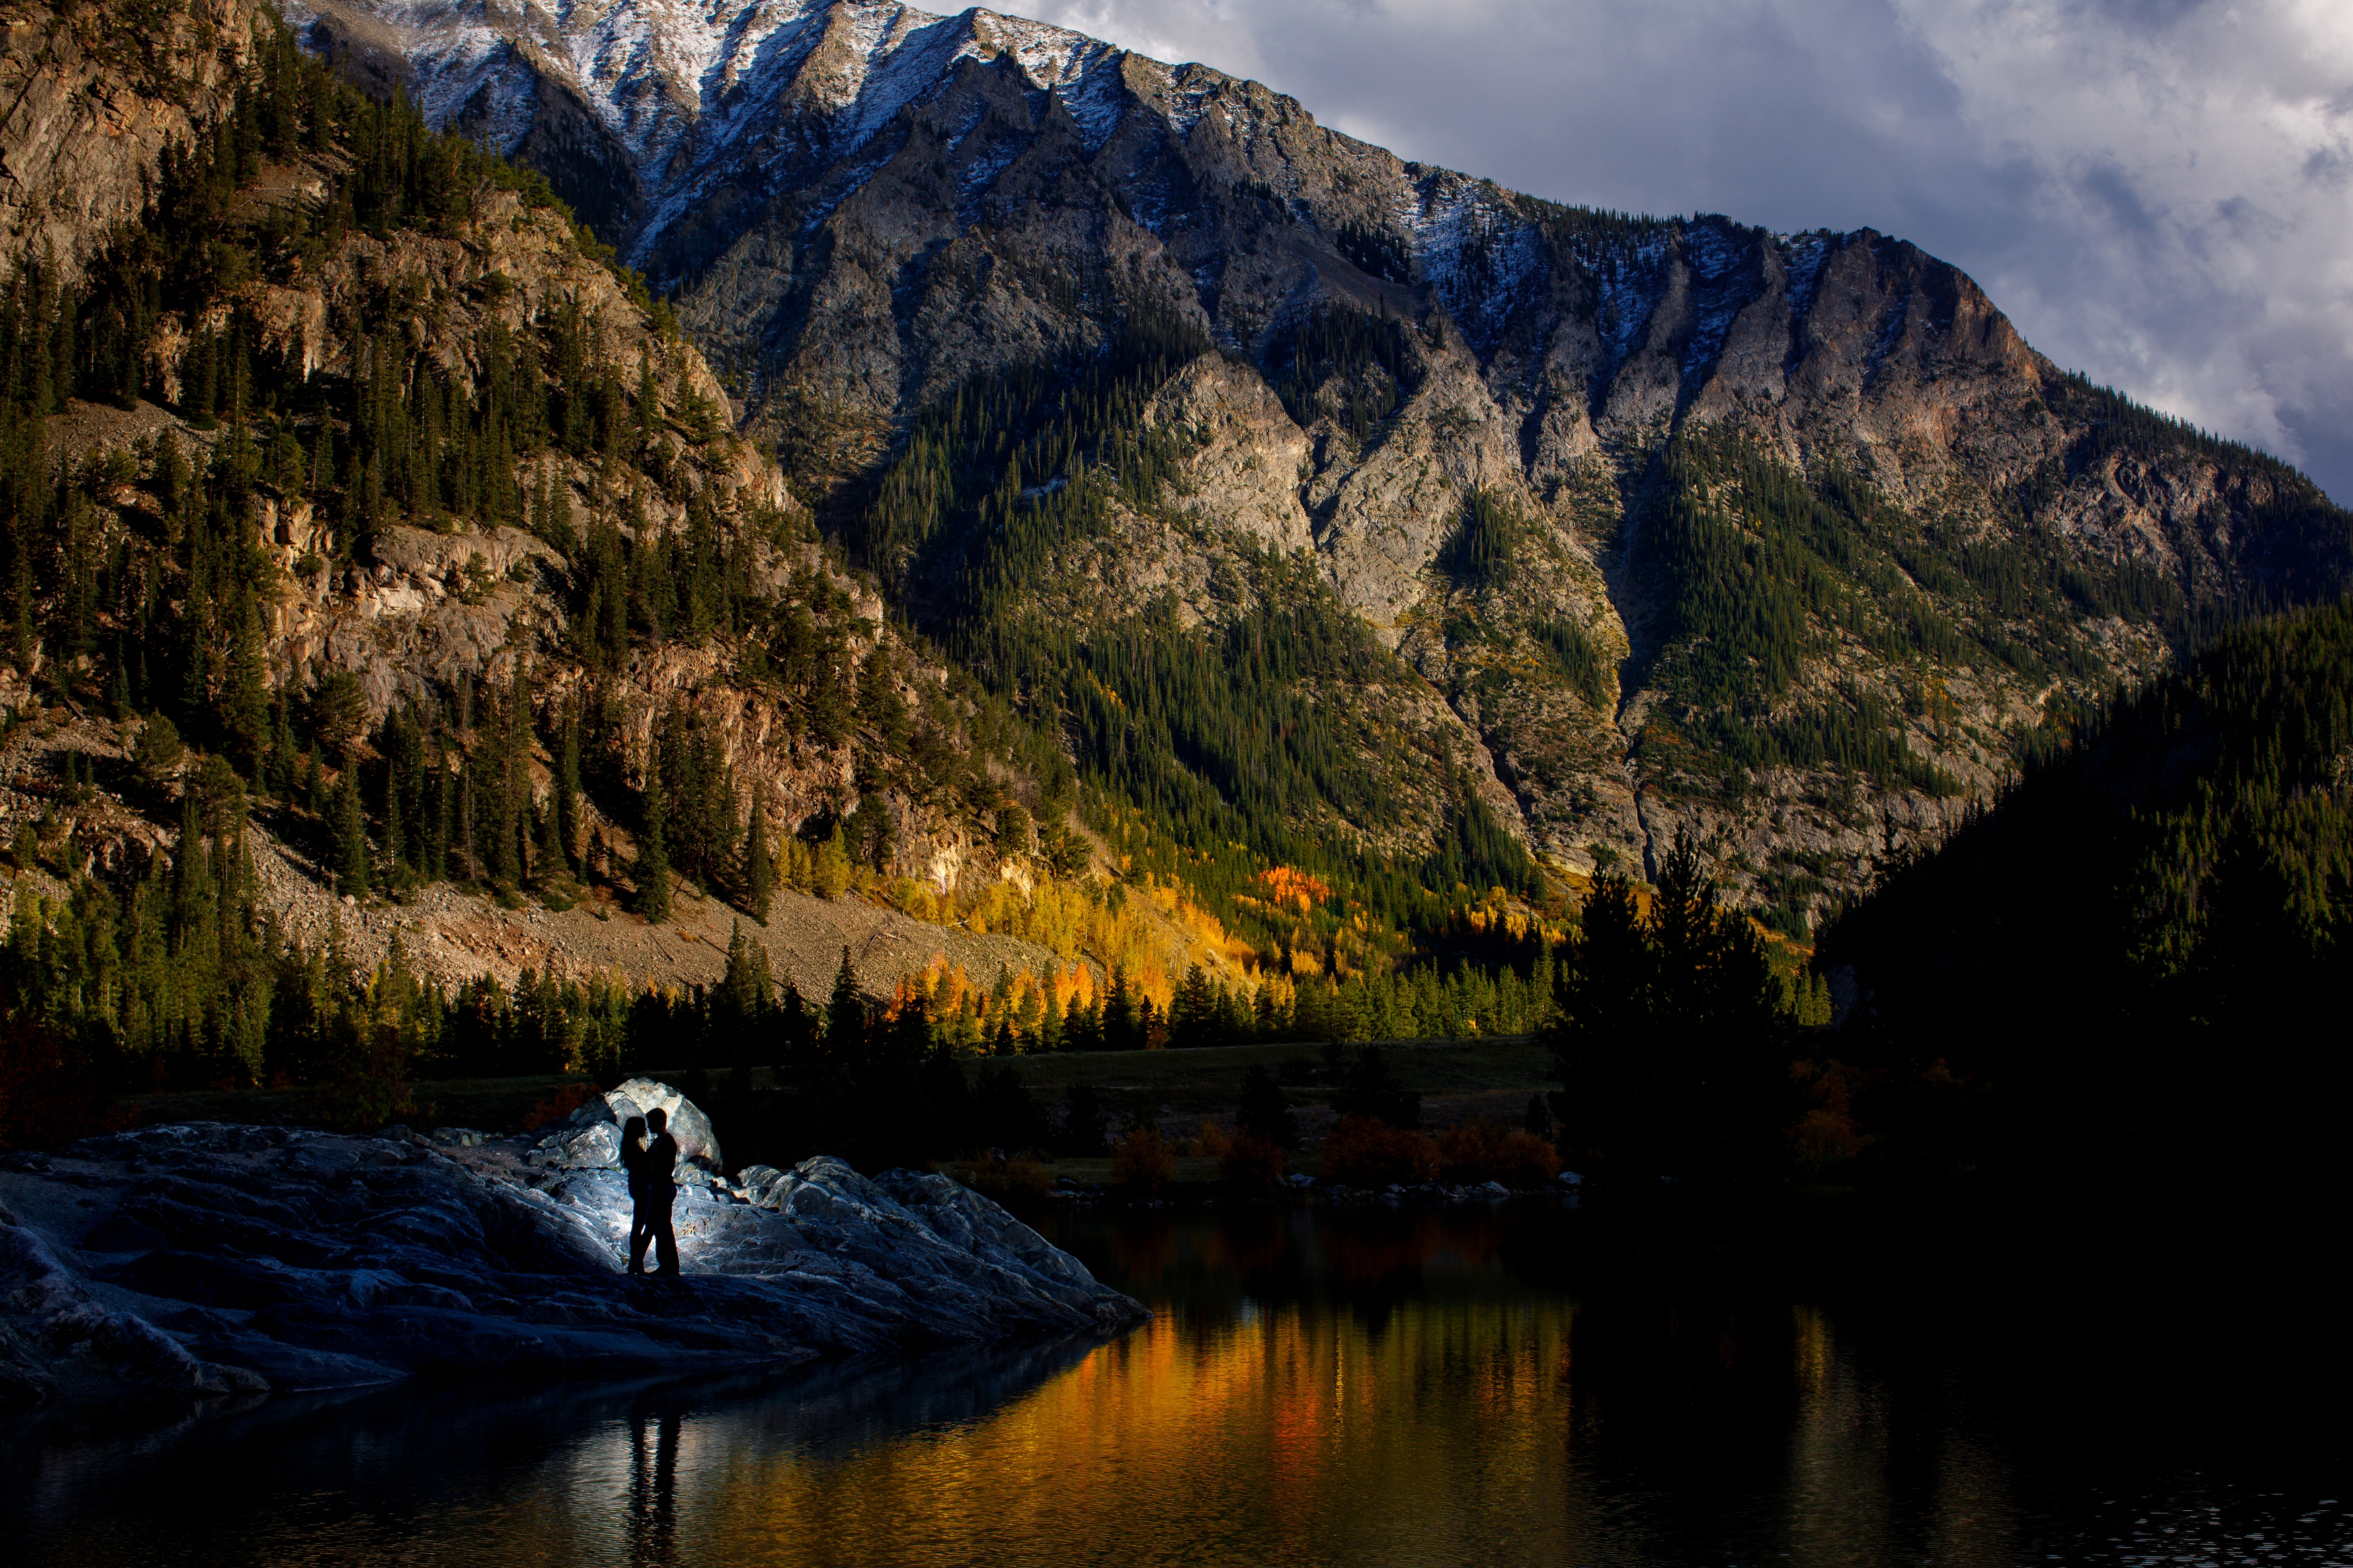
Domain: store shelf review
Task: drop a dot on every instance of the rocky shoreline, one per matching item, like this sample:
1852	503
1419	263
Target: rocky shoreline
207	1259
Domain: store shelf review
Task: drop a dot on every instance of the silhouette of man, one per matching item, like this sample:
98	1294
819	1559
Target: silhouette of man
633	1161
652	1191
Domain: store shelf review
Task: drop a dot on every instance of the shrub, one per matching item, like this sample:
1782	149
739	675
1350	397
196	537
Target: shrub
1142	1162
1019	1181
558	1106
1252	1164
1527	1161
158	751
1362	1152
1484	1152
1213	1140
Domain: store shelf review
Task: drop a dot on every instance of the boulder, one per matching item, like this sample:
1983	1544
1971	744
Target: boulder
696	1141
597	1107
590	1137
596	1147
758	1183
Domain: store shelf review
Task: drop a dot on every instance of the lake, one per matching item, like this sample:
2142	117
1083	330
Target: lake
1517	1383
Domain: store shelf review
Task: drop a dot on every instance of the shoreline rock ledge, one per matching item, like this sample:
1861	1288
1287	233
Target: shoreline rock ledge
208	1259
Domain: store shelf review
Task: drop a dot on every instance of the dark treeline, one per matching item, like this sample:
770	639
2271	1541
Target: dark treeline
1354	366
925	1077
1678	1043
2131	961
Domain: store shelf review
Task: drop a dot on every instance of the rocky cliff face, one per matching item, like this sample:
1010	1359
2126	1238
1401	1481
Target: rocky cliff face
88	106
865	206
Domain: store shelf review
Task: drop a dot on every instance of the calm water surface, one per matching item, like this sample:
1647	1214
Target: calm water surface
1465	1386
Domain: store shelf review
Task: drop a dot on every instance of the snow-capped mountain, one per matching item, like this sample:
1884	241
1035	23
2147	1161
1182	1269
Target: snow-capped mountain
858	209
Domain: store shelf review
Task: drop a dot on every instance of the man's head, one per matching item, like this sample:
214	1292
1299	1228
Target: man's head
658	1120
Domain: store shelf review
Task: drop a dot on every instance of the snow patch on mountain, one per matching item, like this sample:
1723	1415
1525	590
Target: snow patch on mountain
1806	253
1717	252
684	89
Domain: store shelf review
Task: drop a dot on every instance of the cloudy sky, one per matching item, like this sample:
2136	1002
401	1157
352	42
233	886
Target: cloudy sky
2159	192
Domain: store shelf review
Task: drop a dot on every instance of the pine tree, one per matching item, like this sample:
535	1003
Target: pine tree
436	833
1190	1020
568	790
653	854
845	1016
349	839
248	692
649	402
554	863
743	992
1120	1031
759	866
396	841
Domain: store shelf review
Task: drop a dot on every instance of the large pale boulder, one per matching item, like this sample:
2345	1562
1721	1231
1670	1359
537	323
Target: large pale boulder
697	1143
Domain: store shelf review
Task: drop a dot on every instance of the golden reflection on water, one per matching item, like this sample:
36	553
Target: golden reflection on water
1283	1436
1389	1390
1388	1396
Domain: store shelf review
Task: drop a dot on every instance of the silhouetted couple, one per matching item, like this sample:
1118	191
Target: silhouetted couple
652	1189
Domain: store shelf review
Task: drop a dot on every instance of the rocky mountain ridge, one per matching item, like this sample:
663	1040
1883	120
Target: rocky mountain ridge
1004	195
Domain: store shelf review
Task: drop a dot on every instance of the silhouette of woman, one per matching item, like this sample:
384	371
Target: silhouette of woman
641	1197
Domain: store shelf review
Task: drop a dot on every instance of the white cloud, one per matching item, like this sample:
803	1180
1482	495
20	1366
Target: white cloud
2159	192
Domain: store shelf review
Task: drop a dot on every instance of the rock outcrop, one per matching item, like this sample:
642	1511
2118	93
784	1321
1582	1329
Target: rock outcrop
205	1259
89	105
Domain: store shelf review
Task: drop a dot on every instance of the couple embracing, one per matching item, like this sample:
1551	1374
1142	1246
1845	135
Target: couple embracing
650	1160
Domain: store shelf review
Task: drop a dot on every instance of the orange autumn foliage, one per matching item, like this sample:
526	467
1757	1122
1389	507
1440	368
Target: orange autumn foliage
1364	1152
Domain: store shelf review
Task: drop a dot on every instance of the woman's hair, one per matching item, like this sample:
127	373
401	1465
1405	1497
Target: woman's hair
633	1132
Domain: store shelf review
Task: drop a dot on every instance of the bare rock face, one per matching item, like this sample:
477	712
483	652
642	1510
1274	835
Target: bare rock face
87	116
203	1260
1248	455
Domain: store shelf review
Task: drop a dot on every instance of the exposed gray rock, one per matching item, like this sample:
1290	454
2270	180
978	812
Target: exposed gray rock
209	1259
758	1182
596	1109
595	1148
62	1337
